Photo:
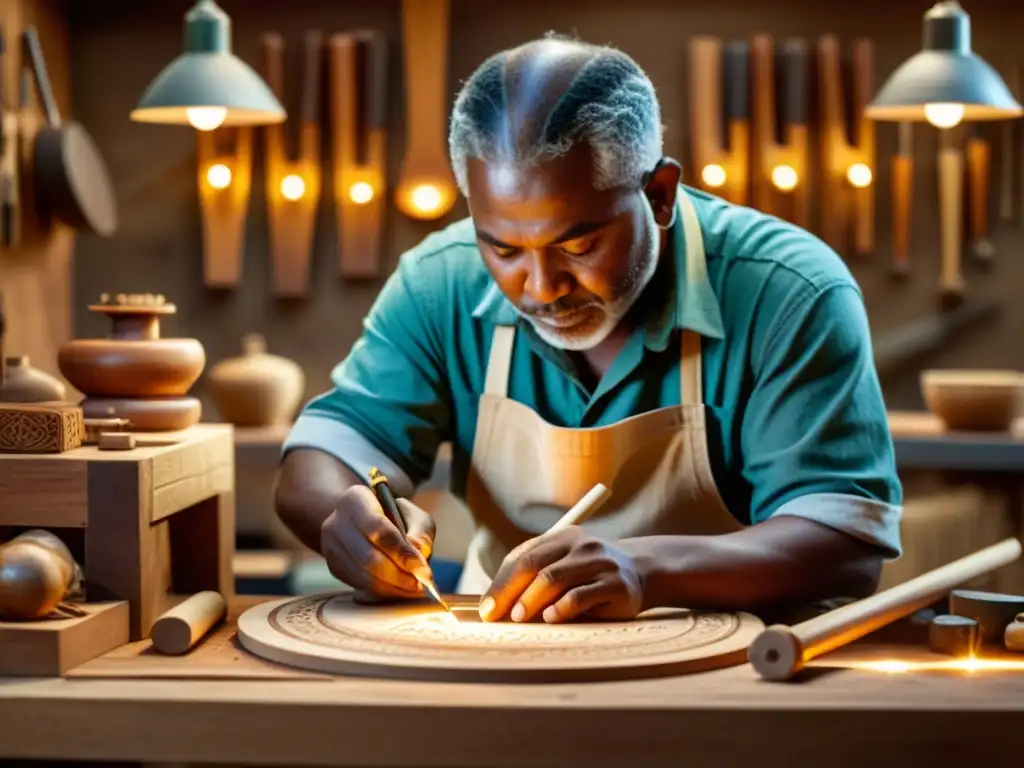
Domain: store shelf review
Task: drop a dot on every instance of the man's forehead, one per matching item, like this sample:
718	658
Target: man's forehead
514	176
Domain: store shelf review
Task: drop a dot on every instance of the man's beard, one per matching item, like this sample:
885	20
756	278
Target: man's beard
584	327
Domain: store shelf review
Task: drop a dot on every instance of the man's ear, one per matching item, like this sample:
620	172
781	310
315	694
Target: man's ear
661	186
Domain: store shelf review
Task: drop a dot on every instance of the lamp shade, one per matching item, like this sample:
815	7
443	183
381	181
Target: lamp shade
946	75
208	86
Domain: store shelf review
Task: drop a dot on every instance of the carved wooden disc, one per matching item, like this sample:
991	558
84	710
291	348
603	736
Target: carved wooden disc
330	632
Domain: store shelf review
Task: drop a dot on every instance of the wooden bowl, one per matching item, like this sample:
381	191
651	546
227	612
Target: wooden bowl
974	400
116	368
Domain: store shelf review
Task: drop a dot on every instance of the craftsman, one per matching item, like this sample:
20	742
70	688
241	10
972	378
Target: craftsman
595	321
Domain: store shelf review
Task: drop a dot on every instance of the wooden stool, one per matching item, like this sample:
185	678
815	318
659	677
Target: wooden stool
147	524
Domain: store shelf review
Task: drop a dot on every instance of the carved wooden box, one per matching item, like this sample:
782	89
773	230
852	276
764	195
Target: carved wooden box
40	427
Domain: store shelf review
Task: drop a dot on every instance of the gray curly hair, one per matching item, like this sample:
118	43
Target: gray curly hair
538	101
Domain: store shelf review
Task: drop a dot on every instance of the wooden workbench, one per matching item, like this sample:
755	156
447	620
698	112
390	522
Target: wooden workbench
272	715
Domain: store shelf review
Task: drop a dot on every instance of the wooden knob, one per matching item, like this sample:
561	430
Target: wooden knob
954	636
180	628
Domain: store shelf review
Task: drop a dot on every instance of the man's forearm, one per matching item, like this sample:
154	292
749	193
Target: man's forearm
781	561
309	484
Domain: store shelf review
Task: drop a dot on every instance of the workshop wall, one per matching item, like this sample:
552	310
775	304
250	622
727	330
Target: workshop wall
35	274
117	47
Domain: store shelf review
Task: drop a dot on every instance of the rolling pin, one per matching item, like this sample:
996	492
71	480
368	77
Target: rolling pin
779	652
180	628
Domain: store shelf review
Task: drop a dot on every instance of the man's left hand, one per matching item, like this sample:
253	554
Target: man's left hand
565	575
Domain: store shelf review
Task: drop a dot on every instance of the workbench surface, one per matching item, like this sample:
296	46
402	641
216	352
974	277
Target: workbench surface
219	705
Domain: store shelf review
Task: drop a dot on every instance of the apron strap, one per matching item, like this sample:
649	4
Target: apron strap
499	362
690	370
690	380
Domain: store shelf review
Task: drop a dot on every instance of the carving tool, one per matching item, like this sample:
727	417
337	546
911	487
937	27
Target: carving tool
979	160
779	652
382	490
902	198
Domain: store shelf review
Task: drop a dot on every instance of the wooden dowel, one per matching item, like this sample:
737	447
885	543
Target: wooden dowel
583	508
180	628
779	652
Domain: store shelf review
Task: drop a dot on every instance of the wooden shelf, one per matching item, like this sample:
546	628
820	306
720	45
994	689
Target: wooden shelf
922	441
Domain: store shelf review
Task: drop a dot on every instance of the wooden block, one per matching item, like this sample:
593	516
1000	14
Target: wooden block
50	648
954	636
95	427
116	441
993	611
40	427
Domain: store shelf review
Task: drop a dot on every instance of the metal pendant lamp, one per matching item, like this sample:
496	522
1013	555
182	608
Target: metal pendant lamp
946	82
207	86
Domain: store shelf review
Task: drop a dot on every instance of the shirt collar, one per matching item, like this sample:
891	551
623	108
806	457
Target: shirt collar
690	303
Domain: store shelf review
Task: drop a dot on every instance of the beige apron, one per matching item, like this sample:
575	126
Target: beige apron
525	473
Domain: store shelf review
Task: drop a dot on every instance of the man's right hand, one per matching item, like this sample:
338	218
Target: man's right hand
366	551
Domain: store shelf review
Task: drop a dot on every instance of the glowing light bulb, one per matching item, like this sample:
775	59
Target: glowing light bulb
292	187
785	177
859	175
944	115
218	176
713	175
206	118
426	198
360	193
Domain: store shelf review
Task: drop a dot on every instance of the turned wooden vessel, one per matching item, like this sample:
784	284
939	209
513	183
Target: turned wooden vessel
22	383
134	373
974	400
257	389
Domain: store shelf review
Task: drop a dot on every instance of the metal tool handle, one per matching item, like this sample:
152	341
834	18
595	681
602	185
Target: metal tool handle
35	54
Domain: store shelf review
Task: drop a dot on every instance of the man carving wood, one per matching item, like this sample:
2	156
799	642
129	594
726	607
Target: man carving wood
596	321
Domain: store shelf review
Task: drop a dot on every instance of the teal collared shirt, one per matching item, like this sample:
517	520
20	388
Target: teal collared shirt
796	420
